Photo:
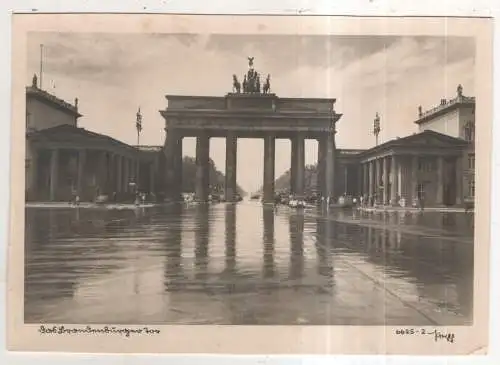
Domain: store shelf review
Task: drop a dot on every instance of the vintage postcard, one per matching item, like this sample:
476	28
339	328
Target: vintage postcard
250	184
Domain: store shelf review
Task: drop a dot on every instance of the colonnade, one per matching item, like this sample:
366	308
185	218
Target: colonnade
95	172
326	163
389	178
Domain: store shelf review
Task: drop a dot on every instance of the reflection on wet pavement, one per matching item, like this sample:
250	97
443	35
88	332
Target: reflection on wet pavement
247	264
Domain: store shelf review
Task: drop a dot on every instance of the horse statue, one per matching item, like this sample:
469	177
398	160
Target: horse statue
257	83
267	86
236	84
245	84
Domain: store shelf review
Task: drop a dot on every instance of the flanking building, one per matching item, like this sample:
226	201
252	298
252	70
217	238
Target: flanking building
63	160
436	164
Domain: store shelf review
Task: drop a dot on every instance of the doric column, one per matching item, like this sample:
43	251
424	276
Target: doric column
371	178
152	177
126	176
177	165
202	167
231	158
102	172
119	173
173	164
300	177
330	166
360	180
346	178
385	162
293	164
321	174
54	173
32	172
82	157
414	178
269	154
378	179
366	179
459	178
394	180
440	180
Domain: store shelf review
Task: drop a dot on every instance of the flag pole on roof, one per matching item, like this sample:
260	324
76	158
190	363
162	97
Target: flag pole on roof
138	124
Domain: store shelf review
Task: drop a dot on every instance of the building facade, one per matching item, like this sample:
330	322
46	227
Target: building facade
434	167
63	161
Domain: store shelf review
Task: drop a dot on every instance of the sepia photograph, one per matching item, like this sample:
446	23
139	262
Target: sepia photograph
191	177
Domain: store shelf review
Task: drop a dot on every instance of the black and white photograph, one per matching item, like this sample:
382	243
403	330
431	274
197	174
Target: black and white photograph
250	179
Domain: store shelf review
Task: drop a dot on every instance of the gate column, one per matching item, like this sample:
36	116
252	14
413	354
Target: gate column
300	162
322	154
202	167
231	158
269	155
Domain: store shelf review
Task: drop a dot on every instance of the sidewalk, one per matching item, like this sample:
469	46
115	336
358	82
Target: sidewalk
390	209
87	205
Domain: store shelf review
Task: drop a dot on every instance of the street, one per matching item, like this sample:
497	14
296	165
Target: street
247	264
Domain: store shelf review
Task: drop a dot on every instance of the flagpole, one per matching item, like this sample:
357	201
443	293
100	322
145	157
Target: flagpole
138	125
41	65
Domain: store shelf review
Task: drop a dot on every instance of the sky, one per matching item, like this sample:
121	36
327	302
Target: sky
114	74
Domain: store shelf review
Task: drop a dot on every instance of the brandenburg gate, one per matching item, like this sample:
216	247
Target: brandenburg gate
250	111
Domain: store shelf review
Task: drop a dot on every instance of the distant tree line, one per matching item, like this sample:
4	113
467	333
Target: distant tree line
282	183
217	178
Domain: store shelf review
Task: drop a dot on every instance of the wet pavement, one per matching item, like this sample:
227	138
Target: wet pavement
247	264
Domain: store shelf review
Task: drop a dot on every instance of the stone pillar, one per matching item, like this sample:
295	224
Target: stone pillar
378	178
138	174
177	168
80	177
231	159
360	181
346	177
394	180
330	166
103	172
371	178
459	178
366	180
54	173
173	164
414	178
293	164
32	175
202	167
322	154
385	162
126	175
119	173
269	154
440	180
152	177
300	166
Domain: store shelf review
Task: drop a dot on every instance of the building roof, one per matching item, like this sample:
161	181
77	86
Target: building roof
425	139
445	107
150	148
68	134
48	98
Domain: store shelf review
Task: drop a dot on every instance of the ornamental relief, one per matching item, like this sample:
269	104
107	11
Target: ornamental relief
247	123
